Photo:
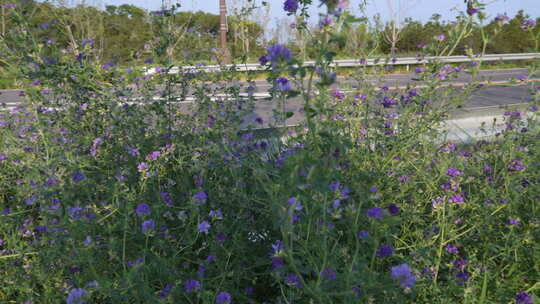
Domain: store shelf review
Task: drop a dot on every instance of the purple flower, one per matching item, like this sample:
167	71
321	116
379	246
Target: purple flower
329	273
165	291
78	177
362	235
471	11
142	166
201	271
375	213
30	200
516	165
199	181
449	148
335	186
204	227
293	280
192	286
283	84
403	274
3	157
457	198
221	237
453	172
133	151
277	248
153	156
223	298
295	203
147	226
95	145
460	264
142	210
263	60
403	178
502	18
290	6
76	295
452	249
385	251
87	42
326	21
338	95
388	102
394	209
277	263
513	222
166	197
217	214
462	277
135	262
201	197
357	290
440	37
523	297
119	177
528	24
277	53
75	212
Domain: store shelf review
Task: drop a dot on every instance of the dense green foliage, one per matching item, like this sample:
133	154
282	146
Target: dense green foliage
119	31
111	195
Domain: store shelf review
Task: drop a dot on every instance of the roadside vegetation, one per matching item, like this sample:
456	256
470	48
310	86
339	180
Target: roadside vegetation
112	192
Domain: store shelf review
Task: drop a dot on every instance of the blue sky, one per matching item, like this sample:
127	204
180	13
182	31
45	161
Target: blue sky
417	9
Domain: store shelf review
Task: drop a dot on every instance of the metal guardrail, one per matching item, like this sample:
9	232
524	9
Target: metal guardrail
407	61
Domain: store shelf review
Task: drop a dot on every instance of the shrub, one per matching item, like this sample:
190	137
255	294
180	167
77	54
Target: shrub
109	201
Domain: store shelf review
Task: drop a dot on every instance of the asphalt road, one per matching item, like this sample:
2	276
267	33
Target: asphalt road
486	102
399	80
489	98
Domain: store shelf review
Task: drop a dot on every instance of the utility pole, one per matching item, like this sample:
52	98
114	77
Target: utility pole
223	32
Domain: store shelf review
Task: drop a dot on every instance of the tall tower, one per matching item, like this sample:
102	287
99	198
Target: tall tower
223	32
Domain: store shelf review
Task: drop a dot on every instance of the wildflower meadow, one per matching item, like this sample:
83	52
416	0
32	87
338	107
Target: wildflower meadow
113	191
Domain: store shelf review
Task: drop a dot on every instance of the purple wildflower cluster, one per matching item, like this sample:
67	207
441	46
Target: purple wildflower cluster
523	298
516	165
502	18
236	218
76	296
403	274
528	24
276	55
283	84
290	6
